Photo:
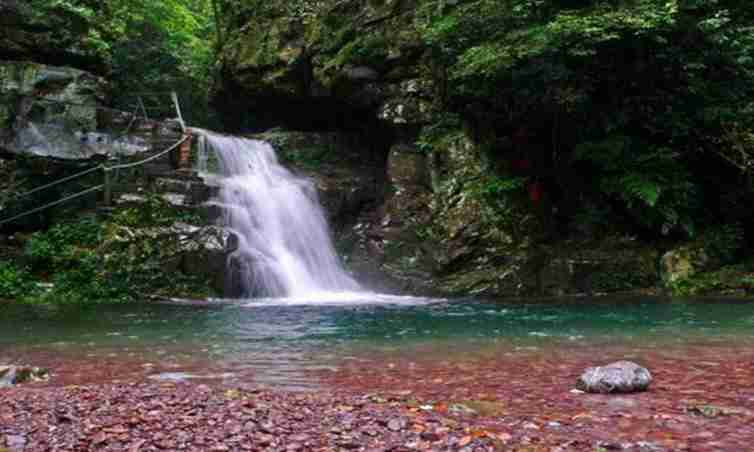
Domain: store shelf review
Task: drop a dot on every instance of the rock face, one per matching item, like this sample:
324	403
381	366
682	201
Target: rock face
618	377
408	222
433	224
192	250
51	35
345	61
51	111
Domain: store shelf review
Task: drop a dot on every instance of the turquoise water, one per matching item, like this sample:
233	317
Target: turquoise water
278	342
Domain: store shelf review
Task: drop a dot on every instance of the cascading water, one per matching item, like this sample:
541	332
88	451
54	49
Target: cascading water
284	244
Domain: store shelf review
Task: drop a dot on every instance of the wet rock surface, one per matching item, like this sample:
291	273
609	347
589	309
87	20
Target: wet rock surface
617	377
13	375
418	401
195	250
51	35
180	415
52	111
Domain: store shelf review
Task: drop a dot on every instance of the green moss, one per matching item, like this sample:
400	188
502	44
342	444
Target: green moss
729	280
104	260
371	50
15	281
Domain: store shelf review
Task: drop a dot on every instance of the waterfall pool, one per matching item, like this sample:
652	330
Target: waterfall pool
294	344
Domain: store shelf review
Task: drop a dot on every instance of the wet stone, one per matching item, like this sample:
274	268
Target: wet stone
396	424
15	443
7	376
13	375
618	377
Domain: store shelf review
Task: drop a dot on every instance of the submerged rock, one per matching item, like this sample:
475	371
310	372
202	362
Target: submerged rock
13	375
618	377
7	376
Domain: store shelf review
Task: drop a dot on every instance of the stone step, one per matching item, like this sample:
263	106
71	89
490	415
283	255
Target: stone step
207	212
194	189
164	184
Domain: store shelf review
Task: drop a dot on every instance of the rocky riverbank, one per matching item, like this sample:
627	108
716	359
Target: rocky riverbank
702	399
186	416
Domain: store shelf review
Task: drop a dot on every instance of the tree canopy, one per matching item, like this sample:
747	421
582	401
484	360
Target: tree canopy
641	94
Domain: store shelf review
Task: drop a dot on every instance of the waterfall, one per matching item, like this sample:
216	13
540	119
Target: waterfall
284	244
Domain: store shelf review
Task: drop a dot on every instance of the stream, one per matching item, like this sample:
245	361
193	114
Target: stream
295	344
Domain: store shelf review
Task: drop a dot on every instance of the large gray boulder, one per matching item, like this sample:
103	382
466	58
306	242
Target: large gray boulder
53	32
618	377
50	111
201	251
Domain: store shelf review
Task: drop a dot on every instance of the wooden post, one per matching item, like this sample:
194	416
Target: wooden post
108	188
174	96
143	108
184	153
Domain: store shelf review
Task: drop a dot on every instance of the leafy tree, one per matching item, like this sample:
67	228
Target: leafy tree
645	96
149	46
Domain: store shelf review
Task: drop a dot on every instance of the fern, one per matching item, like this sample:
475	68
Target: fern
651	182
639	186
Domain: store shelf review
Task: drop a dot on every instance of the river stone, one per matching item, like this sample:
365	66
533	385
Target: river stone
618	377
12	375
7	376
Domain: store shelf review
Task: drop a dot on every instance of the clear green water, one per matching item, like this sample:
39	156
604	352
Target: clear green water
278	342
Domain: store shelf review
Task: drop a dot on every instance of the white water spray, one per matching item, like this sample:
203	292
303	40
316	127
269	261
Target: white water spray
285	248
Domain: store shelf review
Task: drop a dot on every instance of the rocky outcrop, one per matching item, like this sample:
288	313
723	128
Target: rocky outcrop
618	377
435	223
51	111
328	67
54	35
684	262
201	252
414	223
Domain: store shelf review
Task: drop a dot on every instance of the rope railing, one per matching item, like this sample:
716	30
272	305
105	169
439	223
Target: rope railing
148	159
104	168
57	182
52	204
106	186
80	174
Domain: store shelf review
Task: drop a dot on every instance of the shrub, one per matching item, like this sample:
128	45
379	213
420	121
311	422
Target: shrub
14	282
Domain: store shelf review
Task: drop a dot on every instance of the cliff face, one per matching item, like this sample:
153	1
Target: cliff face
337	67
361	68
48	36
51	81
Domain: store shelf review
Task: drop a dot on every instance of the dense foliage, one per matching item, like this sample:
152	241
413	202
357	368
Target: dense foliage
150	47
652	100
95	260
629	118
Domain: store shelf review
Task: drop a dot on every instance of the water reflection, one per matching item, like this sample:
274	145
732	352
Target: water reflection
281	342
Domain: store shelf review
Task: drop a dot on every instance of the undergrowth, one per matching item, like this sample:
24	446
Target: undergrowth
102	260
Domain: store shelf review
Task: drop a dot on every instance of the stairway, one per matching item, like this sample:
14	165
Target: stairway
184	191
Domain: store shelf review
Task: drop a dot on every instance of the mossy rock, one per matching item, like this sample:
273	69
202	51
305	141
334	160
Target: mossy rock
52	33
336	54
684	262
732	280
